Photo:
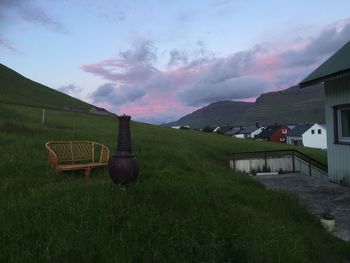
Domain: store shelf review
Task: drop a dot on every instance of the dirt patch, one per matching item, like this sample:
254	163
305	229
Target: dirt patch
317	195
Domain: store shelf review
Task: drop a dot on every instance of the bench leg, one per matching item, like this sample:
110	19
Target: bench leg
87	173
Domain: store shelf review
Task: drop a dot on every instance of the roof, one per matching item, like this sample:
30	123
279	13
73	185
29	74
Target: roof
248	130
224	129
268	131
299	130
336	65
233	131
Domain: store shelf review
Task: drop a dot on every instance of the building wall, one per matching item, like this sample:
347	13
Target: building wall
278	136
291	139
337	92
257	132
315	140
241	136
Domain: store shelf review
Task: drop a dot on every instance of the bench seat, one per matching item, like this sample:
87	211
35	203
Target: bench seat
77	155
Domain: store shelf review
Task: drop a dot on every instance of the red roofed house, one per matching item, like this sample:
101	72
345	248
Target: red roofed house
274	133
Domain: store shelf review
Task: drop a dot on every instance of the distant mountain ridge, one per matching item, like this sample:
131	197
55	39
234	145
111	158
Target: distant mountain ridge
17	89
292	105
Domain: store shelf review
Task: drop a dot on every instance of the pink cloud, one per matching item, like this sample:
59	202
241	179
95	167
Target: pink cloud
148	92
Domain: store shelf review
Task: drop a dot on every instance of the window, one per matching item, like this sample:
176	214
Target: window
312	131
341	118
319	131
344	124
284	131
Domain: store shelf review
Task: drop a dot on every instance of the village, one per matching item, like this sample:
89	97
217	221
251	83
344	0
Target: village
307	135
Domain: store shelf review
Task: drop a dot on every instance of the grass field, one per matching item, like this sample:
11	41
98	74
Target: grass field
15	88
187	205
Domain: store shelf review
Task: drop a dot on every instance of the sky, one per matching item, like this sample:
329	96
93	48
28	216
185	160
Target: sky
160	60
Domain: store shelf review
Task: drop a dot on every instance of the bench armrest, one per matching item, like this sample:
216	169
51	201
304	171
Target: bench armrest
104	156
52	157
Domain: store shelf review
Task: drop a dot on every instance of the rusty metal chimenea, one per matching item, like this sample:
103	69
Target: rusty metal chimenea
123	166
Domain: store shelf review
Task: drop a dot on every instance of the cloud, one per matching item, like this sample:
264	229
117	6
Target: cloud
143	52
243	87
29	12
69	89
114	95
194	78
120	71
8	45
177	57
328	41
232	77
132	66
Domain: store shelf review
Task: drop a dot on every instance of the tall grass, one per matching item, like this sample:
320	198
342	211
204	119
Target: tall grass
187	205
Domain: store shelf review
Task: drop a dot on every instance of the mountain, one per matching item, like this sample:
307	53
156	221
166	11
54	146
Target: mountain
217	113
15	88
293	105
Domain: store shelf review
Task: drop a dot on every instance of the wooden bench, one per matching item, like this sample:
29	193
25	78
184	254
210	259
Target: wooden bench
76	155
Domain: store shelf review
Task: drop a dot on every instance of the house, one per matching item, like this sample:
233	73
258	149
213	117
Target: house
224	129
316	137
295	136
274	133
334	73
249	132
308	135
216	129
233	131
180	127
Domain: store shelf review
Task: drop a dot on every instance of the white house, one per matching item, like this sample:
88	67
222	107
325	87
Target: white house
180	127
334	73
295	136
249	132
315	137
216	129
308	135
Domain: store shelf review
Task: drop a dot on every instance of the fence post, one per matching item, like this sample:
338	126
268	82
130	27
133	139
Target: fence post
43	118
234	163
310	168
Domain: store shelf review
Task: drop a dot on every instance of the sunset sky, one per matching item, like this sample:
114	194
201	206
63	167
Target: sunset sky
159	60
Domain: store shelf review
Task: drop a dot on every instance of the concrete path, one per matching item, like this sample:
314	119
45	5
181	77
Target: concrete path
316	195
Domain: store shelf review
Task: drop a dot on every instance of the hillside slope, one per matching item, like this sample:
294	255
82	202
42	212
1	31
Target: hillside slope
293	105
186	206
15	88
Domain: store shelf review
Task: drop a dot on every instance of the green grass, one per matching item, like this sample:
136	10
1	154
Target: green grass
15	88
187	205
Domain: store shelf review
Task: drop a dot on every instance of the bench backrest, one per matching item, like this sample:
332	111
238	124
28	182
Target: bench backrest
76	151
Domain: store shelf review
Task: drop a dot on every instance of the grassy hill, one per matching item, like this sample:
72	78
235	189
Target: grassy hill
187	205
293	105
15	88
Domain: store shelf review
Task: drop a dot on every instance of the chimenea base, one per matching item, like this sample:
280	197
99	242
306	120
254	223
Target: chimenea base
123	169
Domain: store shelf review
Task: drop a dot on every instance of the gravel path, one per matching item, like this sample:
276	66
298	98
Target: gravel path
316	195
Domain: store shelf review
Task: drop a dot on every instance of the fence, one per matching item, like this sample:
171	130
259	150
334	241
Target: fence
288	161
